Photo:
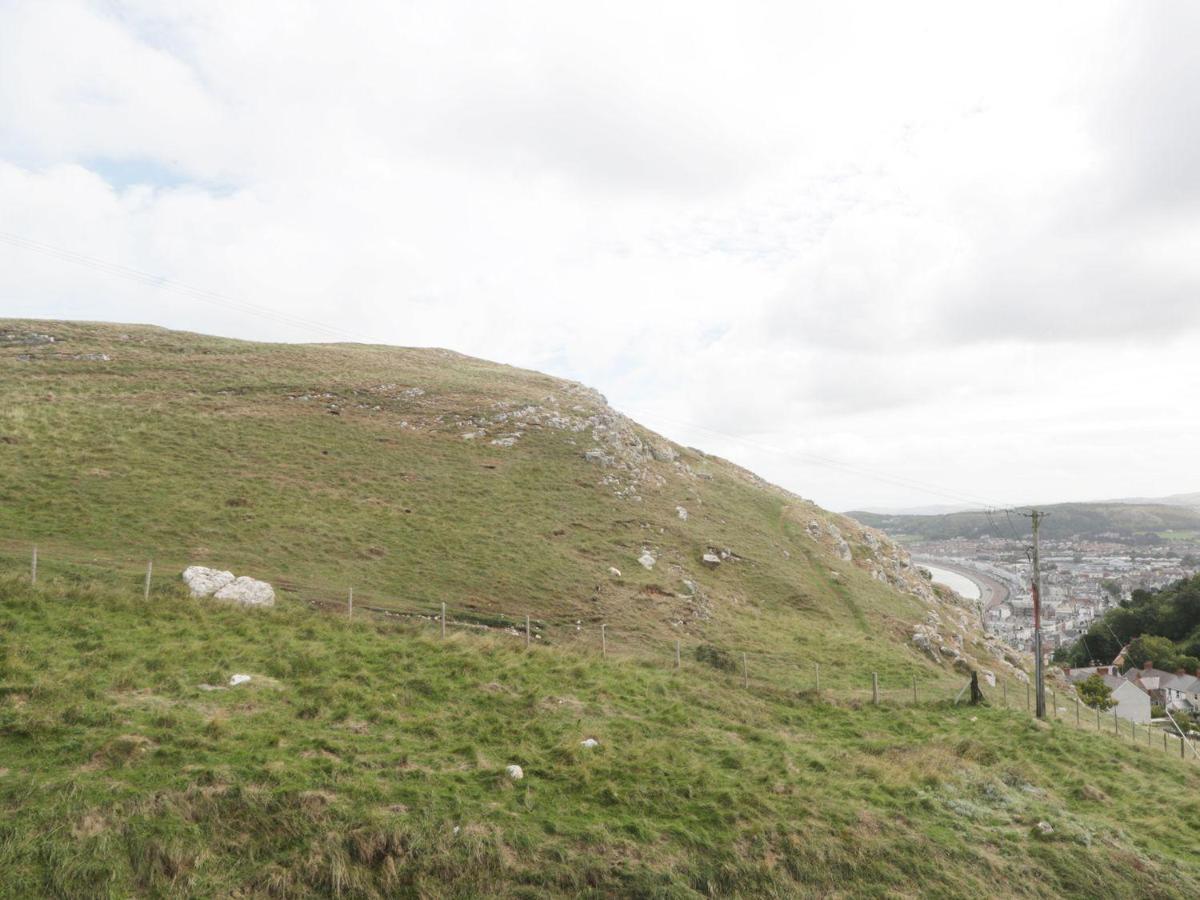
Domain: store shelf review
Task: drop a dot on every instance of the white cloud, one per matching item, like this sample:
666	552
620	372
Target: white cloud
947	244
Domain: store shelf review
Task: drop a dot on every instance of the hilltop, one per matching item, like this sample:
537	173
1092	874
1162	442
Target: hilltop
419	477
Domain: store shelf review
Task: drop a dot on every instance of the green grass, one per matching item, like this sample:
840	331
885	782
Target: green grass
367	758
190	449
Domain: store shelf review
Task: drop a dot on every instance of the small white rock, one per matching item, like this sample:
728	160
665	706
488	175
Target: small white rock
681	512
614	571
515	772
235	680
647	559
589	743
711	560
1045	828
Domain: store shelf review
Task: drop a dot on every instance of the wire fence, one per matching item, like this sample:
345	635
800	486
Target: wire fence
772	673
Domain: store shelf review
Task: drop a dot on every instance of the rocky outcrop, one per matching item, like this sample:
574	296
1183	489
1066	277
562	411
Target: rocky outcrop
222	585
204	582
248	592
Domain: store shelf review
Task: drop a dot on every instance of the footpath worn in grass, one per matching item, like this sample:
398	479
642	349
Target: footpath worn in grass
367	758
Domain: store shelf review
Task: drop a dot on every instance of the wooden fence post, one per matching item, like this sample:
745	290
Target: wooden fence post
33	566
1132	732
817	671
528	633
745	672
443	621
1076	711
677	653
1164	740
1004	692
1181	744
149	573
604	641
350	605
1027	696
1054	703
914	689
1116	723
875	688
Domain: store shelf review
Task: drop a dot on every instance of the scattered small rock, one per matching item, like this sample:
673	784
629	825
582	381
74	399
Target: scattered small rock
711	560
647	559
235	680
614	571
1044	827
589	743
515	772
682	513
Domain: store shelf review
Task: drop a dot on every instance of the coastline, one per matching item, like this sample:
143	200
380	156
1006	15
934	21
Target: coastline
991	592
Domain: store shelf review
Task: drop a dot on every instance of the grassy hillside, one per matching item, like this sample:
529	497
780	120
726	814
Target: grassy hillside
419	477
366	758
1066	520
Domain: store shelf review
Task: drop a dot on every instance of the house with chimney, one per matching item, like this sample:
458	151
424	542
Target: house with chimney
1132	699
1151	680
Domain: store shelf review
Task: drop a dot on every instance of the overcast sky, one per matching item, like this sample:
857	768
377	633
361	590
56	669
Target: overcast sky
953	249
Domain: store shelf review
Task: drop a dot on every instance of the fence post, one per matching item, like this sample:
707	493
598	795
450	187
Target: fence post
1076	712
1027	696
350	605
817	671
1054	703
149	573
1164	740
914	689
527	631
1097	718
443	620
745	672
1149	735
604	641
33	566
875	688
1116	723
1181	743
1132	732
1004	692
677	653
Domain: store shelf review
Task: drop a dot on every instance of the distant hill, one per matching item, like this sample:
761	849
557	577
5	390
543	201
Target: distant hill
1087	520
1190	500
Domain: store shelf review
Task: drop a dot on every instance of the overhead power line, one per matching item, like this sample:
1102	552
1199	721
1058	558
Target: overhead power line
817	459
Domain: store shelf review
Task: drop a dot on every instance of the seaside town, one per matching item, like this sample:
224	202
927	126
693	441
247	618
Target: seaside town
1081	578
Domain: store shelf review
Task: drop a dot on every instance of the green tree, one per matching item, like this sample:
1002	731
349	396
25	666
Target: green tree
1150	648
1095	693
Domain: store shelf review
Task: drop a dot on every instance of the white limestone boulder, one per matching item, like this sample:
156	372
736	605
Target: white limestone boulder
204	582
247	591
515	772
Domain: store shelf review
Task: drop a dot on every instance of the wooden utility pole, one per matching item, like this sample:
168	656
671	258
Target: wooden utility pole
1038	666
